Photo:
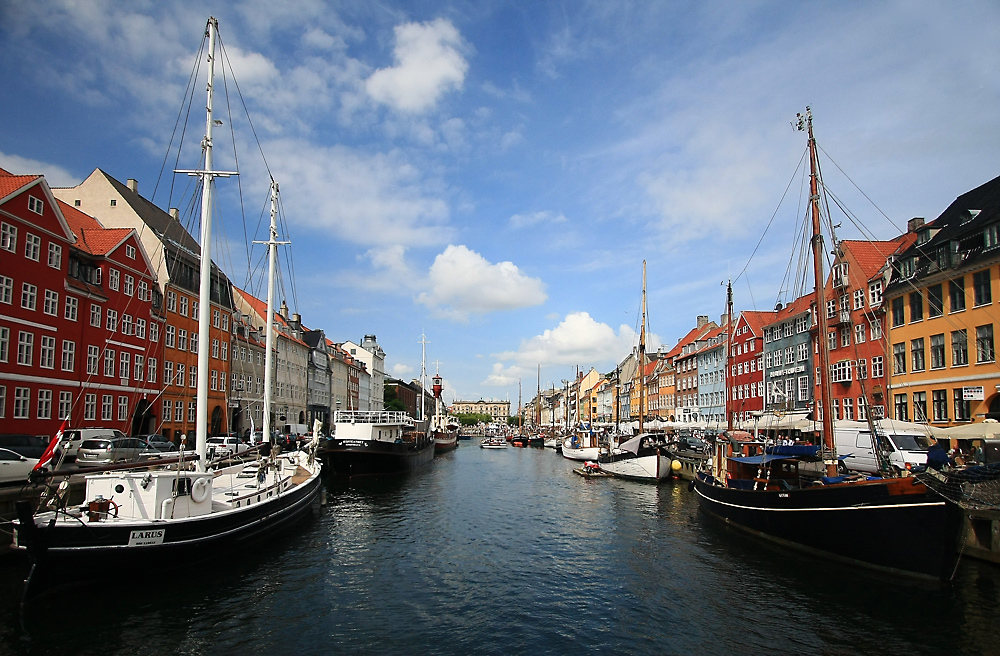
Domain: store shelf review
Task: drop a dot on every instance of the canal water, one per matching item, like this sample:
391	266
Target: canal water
509	552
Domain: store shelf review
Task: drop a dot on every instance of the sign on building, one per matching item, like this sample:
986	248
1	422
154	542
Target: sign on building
973	393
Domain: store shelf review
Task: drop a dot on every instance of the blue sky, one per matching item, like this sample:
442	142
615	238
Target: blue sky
492	174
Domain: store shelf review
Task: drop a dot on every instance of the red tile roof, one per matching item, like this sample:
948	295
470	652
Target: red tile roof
796	307
871	255
260	307
757	319
9	183
91	236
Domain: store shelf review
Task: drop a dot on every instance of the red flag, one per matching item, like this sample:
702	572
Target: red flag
51	449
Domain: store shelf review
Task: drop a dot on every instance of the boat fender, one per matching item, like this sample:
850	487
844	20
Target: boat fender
200	489
691	486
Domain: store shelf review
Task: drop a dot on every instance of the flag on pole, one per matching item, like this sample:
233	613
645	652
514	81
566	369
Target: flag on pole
51	448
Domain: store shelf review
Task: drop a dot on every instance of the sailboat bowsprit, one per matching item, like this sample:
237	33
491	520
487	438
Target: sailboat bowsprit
894	524
152	516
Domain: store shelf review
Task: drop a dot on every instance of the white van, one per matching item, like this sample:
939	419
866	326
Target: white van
74	437
908	446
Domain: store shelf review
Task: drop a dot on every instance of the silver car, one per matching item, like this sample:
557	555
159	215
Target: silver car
100	451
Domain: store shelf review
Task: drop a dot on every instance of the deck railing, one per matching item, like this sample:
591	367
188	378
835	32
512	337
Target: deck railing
372	417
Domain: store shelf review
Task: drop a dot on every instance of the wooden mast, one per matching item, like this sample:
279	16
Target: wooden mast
829	453
642	351
729	346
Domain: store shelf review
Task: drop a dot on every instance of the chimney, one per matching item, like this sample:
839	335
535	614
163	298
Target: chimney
777	307
724	319
297	318
283	311
132	184
914	224
702	320
175	214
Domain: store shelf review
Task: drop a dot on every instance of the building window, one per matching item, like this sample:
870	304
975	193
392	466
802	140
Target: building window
831	340
859	299
984	343
168	409
184	306
29	296
849	409
803	388
140	328
44	404
215	380
32	247
191	412
126	324
179	411
4	343
170	335
138	368
959	348
963	410
68	355
95	315
114	277
916	307
25	347
50	305
836	408
192	376
130	252
142	290
215	349
122	408
182	339
109	363
168	373
151	370
171	301
107	407
124	365
93	357
939	405
65	405
8	237
898	359
35	205
935	301
902	408
215	318
859	333
862	367
71	309
937	351
22	402
129	288
956	294
154	332
845	337
55	255
840	372
920	406
897	312
90	407
225	350
981	288
179	379
6	290
917	354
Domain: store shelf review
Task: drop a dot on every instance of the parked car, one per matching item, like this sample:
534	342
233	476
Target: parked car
15	467
99	451
29	446
224	446
73	438
158	442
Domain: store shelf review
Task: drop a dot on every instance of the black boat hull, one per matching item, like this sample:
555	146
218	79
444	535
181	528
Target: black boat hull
374	458
915	534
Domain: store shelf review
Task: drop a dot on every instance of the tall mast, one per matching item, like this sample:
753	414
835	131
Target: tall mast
729	347
805	123
272	261
538	394
423	374
642	350
207	176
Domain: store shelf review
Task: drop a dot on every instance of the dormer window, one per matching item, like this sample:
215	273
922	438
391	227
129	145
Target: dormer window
923	237
991	236
35	205
907	268
969	215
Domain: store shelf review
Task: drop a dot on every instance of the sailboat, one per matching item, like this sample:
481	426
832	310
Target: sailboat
641	457
780	494
164	516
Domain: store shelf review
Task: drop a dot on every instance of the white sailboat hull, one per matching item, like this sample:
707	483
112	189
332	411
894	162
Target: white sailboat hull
645	468
581	453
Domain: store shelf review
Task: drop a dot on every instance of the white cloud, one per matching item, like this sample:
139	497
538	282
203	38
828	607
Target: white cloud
578	339
401	371
376	199
55	175
463	282
427	64
502	376
535	218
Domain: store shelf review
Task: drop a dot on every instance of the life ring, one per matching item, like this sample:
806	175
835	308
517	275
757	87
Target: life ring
200	489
